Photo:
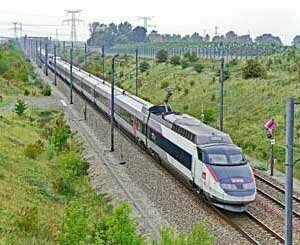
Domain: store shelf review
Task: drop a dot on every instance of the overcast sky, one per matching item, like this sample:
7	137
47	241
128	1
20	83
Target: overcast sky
281	18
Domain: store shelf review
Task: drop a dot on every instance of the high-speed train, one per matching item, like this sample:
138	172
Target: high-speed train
203	156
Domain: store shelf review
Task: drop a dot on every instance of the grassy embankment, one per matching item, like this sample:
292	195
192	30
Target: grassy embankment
17	77
248	102
45	193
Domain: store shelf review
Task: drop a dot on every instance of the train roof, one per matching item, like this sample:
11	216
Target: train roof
203	134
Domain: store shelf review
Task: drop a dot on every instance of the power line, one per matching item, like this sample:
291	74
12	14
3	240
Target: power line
146	20
73	22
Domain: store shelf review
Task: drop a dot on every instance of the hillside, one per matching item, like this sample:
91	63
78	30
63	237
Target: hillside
248	103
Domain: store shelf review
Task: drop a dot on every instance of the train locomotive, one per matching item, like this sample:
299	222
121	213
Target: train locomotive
203	156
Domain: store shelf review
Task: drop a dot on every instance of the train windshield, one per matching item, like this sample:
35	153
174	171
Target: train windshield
222	155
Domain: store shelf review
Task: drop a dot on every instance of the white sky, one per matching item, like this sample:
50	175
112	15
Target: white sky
280	18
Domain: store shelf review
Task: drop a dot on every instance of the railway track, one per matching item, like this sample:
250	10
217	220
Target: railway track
250	227
276	194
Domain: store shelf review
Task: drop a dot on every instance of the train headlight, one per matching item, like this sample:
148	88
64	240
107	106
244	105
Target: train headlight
248	186
229	186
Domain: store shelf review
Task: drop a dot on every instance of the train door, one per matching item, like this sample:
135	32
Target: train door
198	175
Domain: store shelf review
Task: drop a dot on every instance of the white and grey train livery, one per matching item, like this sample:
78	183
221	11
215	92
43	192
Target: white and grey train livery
204	156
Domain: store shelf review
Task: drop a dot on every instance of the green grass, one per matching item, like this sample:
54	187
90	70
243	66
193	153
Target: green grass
16	74
248	102
47	198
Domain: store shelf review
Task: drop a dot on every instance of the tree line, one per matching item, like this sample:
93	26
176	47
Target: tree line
124	33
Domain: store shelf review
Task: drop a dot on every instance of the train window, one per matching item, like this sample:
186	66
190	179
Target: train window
224	155
199	151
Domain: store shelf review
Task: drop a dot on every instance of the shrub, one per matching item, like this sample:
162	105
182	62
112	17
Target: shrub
226	74
27	219
33	150
71	165
144	66
164	84
253	69
186	91
20	107
185	63
59	134
191	56
46	90
192	83
198	67
199	235
175	60
121	228
26	92
162	56
233	62
75	227
208	116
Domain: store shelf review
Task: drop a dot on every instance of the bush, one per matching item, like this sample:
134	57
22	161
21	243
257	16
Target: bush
208	116
175	60
226	74
185	63
144	66
162	56
75	228
46	90
59	134
27	219
20	107
191	56
71	165
233	62
199	235
186	91
33	150
26	92
120	228
198	67
253	69
164	84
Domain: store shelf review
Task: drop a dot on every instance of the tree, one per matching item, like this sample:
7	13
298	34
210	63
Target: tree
296	41
206	38
218	39
162	56
144	66
268	39
196	37
244	39
175	60
253	69
231	36
113	28
93	27
138	34
124	28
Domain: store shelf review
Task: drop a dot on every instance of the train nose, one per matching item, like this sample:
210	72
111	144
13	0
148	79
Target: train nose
238	186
